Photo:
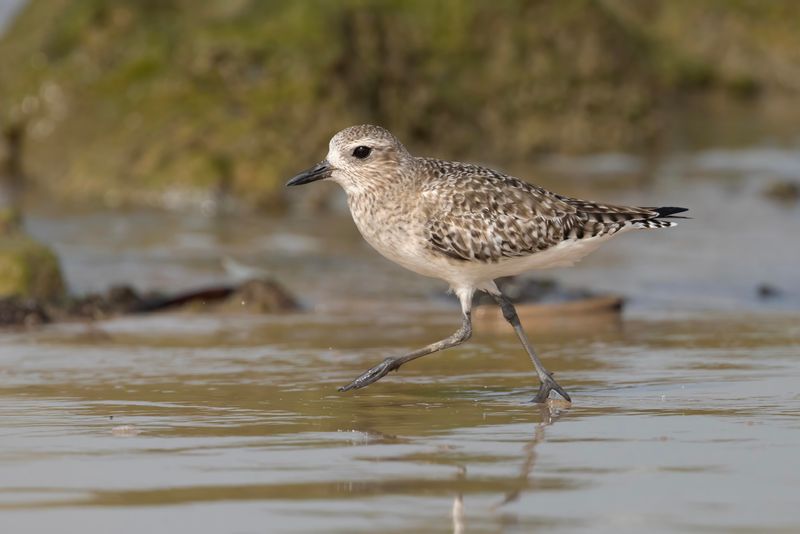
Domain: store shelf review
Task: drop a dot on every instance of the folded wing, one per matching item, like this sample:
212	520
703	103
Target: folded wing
494	216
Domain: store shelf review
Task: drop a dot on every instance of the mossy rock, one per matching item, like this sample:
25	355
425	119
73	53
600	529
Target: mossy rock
10	221
29	269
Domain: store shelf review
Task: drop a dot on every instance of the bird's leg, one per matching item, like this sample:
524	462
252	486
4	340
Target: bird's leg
547	383
391	364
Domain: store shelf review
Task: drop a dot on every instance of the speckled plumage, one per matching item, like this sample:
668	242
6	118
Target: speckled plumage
464	223
479	214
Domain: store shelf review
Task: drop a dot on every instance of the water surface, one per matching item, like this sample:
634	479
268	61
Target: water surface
235	425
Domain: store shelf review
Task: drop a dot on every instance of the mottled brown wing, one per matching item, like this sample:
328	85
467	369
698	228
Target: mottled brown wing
492	216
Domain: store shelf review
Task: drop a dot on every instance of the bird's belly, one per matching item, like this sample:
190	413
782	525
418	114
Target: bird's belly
477	274
413	255
564	254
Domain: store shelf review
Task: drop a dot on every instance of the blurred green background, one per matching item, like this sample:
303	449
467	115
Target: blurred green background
123	100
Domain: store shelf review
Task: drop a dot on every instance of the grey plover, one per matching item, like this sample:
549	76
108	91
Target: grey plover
464	224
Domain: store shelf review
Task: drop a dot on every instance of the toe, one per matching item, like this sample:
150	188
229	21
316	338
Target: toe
563	393
546	387
371	375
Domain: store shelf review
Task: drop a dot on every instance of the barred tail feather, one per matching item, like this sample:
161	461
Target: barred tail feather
653	223
666	212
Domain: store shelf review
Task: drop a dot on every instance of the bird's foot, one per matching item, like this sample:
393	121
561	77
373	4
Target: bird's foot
372	375
549	384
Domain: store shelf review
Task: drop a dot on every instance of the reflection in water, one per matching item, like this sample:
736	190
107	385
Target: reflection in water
458	505
549	414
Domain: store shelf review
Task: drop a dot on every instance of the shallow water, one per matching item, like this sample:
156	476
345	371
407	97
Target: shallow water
205	424
685	415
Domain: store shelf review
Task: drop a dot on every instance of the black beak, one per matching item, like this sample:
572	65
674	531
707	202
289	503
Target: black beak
319	171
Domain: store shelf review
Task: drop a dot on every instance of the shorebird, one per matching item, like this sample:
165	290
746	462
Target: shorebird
465	224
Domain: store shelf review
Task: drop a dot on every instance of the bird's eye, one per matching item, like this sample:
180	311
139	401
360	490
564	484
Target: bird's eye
361	152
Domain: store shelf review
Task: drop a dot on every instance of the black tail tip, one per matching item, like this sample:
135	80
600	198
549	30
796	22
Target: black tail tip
669	211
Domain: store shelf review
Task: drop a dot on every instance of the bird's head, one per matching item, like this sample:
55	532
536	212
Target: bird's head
359	157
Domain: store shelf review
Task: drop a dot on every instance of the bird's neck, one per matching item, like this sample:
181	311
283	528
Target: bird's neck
385	183
377	202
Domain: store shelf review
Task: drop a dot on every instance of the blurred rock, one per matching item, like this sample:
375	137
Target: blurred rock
253	296
787	192
768	291
546	302
118	300
21	311
531	290
260	296
28	269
